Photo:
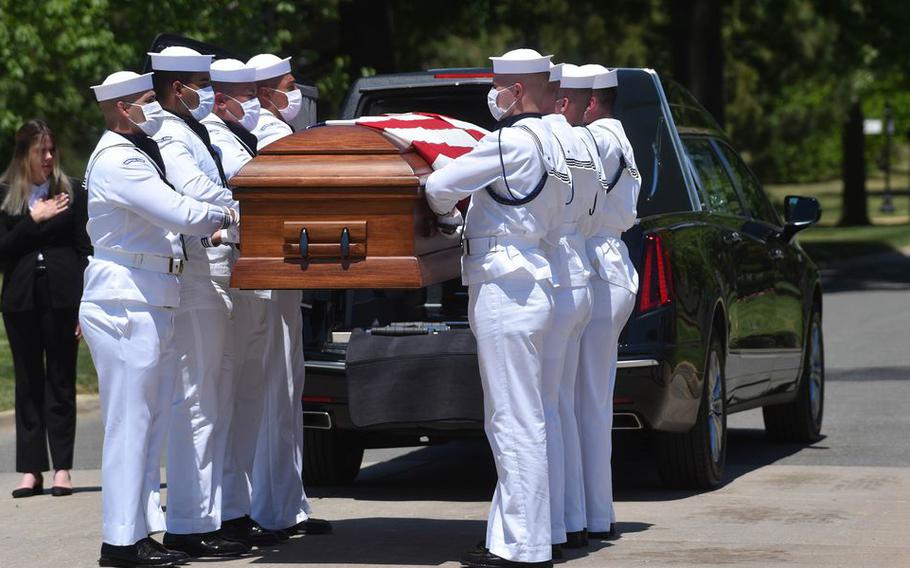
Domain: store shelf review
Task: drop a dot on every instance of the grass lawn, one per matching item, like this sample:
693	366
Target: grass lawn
86	380
827	242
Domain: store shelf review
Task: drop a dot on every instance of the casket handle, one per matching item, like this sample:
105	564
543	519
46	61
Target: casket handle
345	243
304	243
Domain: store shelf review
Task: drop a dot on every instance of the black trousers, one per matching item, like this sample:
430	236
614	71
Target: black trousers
44	356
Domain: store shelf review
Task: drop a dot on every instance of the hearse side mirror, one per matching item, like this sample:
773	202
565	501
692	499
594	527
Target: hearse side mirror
801	213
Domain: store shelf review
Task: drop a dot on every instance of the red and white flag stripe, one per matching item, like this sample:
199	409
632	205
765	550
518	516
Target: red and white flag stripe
436	138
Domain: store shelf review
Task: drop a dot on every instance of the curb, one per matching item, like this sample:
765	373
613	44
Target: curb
84	403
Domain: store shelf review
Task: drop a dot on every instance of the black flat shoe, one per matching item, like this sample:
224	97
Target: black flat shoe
576	539
557	552
57	491
483	558
250	533
146	552
36	489
205	545
310	527
604	535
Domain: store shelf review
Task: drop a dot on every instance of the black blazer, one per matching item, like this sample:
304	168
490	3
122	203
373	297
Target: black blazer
65	246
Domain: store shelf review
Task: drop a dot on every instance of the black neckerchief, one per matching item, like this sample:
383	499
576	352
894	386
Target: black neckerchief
150	147
511	120
248	139
203	135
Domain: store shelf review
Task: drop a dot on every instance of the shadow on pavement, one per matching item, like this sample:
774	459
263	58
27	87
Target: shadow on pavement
868	374
749	450
889	271
393	541
388	541
457	471
463	471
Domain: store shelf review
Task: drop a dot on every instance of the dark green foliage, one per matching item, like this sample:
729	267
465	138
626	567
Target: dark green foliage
791	68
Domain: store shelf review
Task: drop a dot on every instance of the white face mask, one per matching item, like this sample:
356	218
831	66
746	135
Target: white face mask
154	117
250	116
206	102
497	112
295	100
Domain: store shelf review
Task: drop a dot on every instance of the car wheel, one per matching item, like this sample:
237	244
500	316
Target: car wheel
801	420
695	459
330	457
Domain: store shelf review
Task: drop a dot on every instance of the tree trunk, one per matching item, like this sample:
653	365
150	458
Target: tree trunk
855	205
698	51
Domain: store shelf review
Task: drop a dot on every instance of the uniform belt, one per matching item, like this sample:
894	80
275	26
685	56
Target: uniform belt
142	261
483	245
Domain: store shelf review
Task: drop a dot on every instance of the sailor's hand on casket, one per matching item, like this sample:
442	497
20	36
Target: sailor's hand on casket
451	224
222	237
231	234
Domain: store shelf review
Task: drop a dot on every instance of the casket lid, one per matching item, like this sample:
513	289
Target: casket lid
333	157
333	140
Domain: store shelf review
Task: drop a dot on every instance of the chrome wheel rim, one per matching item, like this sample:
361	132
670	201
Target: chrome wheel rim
715	408
816	373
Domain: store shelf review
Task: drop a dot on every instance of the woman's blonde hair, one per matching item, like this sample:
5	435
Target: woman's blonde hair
18	175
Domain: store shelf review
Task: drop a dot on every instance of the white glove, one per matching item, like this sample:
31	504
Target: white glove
230	235
450	225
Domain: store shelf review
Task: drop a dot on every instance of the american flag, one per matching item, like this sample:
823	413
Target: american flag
436	138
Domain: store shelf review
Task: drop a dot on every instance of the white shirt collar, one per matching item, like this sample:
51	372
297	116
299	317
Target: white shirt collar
39	192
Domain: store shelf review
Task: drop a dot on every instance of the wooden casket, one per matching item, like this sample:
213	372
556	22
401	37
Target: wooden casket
338	207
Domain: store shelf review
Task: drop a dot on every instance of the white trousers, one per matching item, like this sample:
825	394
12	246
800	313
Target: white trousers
571	313
279	500
130	345
594	398
509	317
250	326
201	414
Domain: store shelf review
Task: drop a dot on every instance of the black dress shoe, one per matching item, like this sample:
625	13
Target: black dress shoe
310	527
249	532
576	539
604	535
483	558
180	558
557	551
205	545
36	489
146	552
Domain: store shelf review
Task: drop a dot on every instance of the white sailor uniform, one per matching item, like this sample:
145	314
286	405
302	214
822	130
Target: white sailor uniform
202	405
127	316
517	181
270	128
234	152
571	313
278	497
250	328
614	287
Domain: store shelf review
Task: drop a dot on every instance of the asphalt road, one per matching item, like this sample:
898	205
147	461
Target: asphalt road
844	501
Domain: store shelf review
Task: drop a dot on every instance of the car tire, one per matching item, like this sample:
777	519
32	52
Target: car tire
801	420
330	457
696	459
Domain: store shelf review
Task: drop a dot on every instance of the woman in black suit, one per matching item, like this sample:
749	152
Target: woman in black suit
43	250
